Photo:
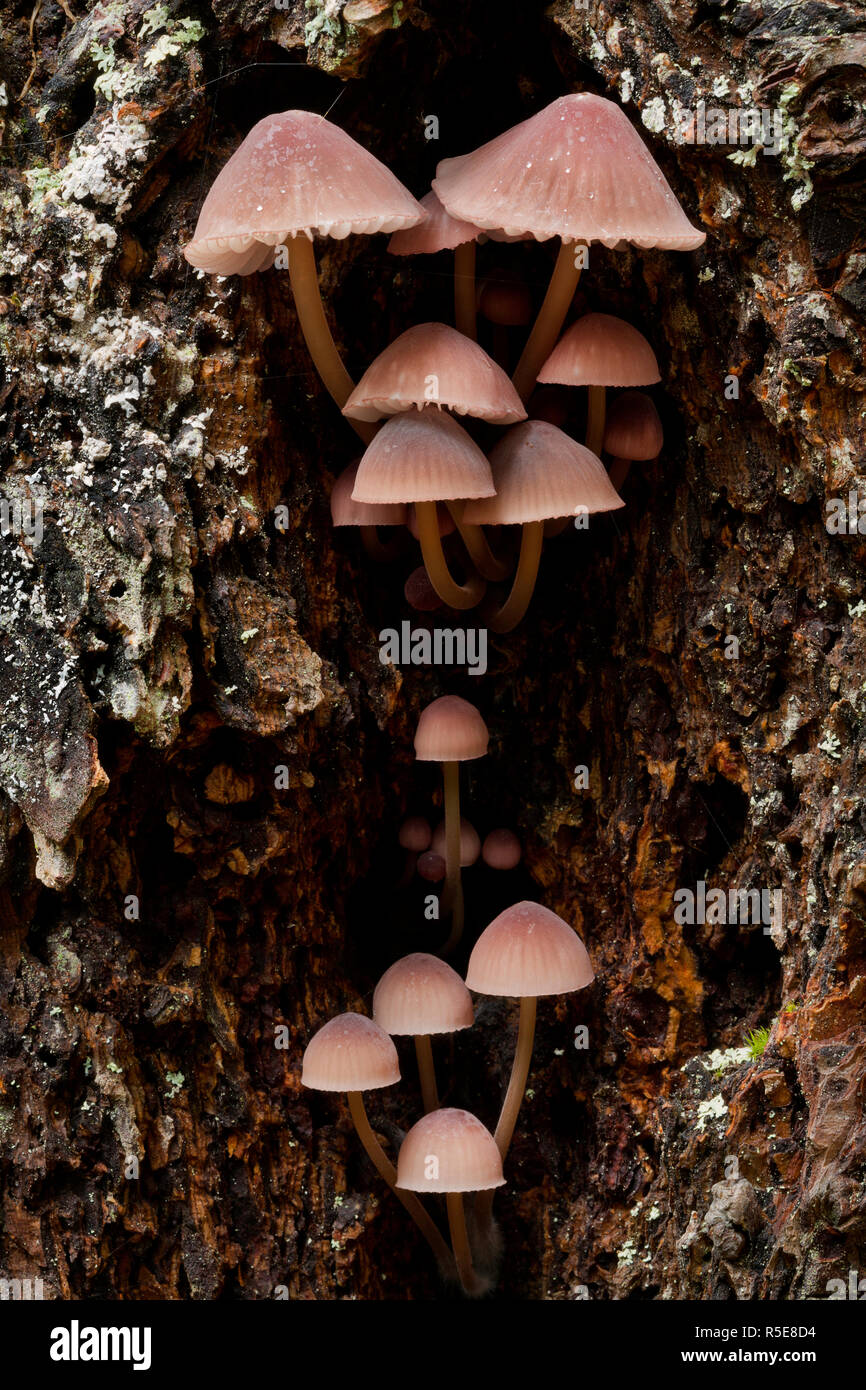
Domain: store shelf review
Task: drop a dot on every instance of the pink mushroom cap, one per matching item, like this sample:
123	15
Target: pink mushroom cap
633	429
450	730
415	834
539	472
527	952
505	299
465	1154
501	850
419	592
422	994
346	512
576	170
433	358
431	867
422	456
438	232
601	350
351	1053
295	174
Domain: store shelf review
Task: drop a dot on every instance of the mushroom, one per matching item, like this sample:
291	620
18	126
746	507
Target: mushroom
526	953
577	170
417	996
424	457
504	299
451	731
296	176
431	867
346	512
414	836
351	1053
450	1151
419	592
501	850
539	472
633	434
434	365
441	232
600	350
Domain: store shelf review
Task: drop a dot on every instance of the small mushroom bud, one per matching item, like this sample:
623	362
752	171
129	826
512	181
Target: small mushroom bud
633	434
501	850
419	592
431	867
414	836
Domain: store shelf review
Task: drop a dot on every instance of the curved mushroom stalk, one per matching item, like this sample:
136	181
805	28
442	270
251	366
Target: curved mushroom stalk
460	596
477	546
514	608
618	472
551	316
452	895
386	1170
595	413
472	1285
513	1098
304	277
464	290
426	1072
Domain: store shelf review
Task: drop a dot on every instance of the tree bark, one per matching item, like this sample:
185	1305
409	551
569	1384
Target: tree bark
204	762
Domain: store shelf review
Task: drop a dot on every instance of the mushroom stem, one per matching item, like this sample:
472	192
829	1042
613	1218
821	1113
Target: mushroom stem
451	593
452	894
618	472
464	289
515	606
381	551
513	1099
427	1072
460	1243
519	1072
545	330
386	1170
314	326
477	545
595	413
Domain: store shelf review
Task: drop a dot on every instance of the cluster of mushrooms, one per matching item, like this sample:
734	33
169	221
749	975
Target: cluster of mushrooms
578	172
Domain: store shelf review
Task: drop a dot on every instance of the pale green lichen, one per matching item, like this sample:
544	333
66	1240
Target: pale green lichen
797	168
712	1109
178	36
747	158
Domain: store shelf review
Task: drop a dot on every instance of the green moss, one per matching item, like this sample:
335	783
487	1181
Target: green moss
757	1041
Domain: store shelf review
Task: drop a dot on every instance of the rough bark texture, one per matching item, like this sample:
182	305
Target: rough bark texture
166	647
